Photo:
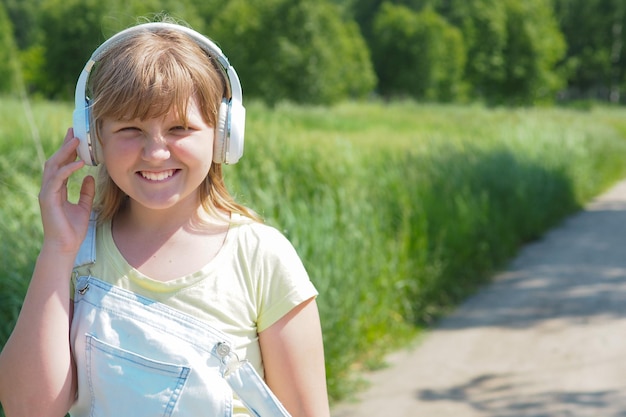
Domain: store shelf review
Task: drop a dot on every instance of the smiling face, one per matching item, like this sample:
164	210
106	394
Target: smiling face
159	162
147	80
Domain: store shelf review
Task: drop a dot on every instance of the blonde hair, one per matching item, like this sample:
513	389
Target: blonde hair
146	76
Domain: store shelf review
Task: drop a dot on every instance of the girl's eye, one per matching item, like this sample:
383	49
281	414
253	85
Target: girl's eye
182	130
128	129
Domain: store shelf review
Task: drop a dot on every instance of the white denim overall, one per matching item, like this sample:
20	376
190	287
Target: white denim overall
139	358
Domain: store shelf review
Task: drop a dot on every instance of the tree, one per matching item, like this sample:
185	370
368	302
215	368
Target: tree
24	16
513	47
417	54
297	50
282	50
596	33
73	29
364	11
312	51
483	24
535	46
8	55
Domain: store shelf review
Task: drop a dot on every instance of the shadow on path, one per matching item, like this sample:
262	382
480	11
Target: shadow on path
495	396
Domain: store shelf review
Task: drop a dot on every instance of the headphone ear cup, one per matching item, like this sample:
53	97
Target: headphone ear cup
86	150
221	134
237	129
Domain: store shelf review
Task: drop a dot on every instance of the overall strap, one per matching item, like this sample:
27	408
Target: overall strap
87	252
248	384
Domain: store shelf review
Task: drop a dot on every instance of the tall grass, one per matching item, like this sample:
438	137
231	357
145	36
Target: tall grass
20	226
401	210
398	210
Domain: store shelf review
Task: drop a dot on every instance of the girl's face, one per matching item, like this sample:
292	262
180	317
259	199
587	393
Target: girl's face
159	163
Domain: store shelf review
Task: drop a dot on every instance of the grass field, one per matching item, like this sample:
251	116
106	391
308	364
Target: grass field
398	210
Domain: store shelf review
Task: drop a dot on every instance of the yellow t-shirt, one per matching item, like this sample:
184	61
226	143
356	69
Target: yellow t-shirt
254	280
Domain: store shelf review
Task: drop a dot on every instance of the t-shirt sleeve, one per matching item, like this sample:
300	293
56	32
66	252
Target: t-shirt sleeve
283	280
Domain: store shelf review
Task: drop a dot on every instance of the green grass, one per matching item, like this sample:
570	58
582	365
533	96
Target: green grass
398	210
20	171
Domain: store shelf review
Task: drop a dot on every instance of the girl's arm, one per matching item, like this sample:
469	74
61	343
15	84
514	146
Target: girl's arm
37	375
293	359
36	369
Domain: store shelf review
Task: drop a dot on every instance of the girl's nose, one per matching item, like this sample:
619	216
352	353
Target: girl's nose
156	148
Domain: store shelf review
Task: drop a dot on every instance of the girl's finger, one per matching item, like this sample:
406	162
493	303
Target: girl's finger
66	153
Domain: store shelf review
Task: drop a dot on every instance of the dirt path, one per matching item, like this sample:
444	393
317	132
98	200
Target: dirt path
547	338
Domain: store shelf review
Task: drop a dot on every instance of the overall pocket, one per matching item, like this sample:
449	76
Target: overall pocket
129	377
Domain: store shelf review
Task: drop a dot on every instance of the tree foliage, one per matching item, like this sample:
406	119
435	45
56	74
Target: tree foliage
534	47
67	42
24	17
8	54
512	47
484	27
294	50
595	31
417	54
497	51
73	29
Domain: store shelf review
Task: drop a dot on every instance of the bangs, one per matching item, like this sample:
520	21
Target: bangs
146	90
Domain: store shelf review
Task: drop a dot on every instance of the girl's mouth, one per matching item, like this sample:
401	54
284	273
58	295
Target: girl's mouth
157	176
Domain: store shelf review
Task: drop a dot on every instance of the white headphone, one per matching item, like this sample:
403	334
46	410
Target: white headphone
229	132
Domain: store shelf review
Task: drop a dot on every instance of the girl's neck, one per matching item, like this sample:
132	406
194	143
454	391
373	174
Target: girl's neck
143	220
166	244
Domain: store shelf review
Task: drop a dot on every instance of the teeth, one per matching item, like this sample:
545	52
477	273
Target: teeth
157	176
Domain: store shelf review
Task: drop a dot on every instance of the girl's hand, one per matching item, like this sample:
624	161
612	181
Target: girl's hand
65	223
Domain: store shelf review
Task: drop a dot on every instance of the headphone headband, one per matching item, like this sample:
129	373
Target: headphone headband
229	138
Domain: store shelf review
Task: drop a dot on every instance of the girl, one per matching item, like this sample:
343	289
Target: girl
180	302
